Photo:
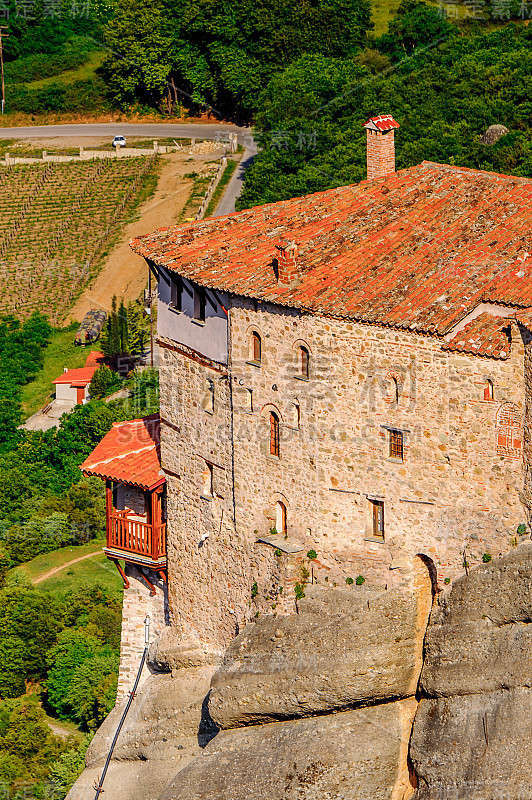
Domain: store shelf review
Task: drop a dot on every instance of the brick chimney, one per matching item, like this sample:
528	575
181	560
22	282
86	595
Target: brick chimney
380	148
286	261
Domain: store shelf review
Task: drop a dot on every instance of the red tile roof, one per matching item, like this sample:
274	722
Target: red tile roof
484	336
418	249
77	377
129	453
95	357
384	122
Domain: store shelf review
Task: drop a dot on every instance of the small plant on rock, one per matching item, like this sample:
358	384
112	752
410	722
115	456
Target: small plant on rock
447	581
349	581
521	529
486	558
254	589
312	555
299	590
278	552
360	580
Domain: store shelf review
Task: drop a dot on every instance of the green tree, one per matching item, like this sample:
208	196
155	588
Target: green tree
66	770
92	692
220	54
104	382
72	649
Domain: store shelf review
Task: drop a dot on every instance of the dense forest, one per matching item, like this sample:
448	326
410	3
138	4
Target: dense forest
59	651
309	125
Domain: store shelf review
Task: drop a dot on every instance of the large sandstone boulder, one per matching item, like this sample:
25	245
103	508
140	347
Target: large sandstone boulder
167	726
476	747
355	755
479	639
471	737
344	648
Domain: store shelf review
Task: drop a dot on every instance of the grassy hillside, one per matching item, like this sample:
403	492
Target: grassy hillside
85	72
97	569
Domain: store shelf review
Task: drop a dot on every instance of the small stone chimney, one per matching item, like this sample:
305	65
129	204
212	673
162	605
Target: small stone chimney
380	148
286	261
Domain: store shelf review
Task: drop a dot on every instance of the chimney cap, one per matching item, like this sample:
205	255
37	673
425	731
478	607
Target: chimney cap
286	243
382	123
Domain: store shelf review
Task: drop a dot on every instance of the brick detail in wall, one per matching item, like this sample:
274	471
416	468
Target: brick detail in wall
138	602
380	153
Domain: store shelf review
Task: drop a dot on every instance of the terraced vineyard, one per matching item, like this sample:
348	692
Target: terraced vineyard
55	220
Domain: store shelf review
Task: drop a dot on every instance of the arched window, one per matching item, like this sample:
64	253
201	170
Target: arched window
304	362
256	348
280	517
208	397
275	449
488	390
395	390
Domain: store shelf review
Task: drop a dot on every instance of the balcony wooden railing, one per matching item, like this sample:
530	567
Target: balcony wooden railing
136	537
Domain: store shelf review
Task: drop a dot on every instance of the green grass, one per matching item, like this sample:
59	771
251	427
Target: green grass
382	12
98	571
60	353
40	565
87	70
220	189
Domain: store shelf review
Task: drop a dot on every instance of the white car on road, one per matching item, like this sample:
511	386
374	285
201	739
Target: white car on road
119	141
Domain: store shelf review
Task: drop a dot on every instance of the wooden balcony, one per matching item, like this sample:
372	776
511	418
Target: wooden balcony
135	541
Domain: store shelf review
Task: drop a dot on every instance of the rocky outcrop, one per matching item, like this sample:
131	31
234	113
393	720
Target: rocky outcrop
344	649
471	736
167	726
493	134
355	755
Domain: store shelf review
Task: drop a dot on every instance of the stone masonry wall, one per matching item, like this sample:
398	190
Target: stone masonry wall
459	488
455	489
137	603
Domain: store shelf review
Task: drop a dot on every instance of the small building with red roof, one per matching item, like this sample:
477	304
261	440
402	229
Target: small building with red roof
72	387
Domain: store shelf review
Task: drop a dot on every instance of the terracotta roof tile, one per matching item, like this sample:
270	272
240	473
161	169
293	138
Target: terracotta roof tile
130	453
484	336
77	377
418	249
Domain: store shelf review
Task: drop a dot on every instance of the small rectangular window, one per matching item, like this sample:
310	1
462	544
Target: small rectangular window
176	289
208	480
199	304
378	518
396	444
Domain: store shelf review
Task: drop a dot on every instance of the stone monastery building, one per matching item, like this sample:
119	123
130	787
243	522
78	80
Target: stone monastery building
349	373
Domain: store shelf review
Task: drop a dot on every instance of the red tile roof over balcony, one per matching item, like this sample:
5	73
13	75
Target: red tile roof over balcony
129	453
418	249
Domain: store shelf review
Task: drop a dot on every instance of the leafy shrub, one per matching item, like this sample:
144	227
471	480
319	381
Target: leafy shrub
486	558
312	555
349	581
254	589
447	581
360	580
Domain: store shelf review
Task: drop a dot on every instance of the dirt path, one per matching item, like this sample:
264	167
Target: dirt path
64	566
124	274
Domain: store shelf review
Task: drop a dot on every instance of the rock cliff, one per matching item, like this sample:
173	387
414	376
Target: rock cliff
329	704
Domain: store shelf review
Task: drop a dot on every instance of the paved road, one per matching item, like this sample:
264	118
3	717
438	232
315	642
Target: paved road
149	130
235	186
